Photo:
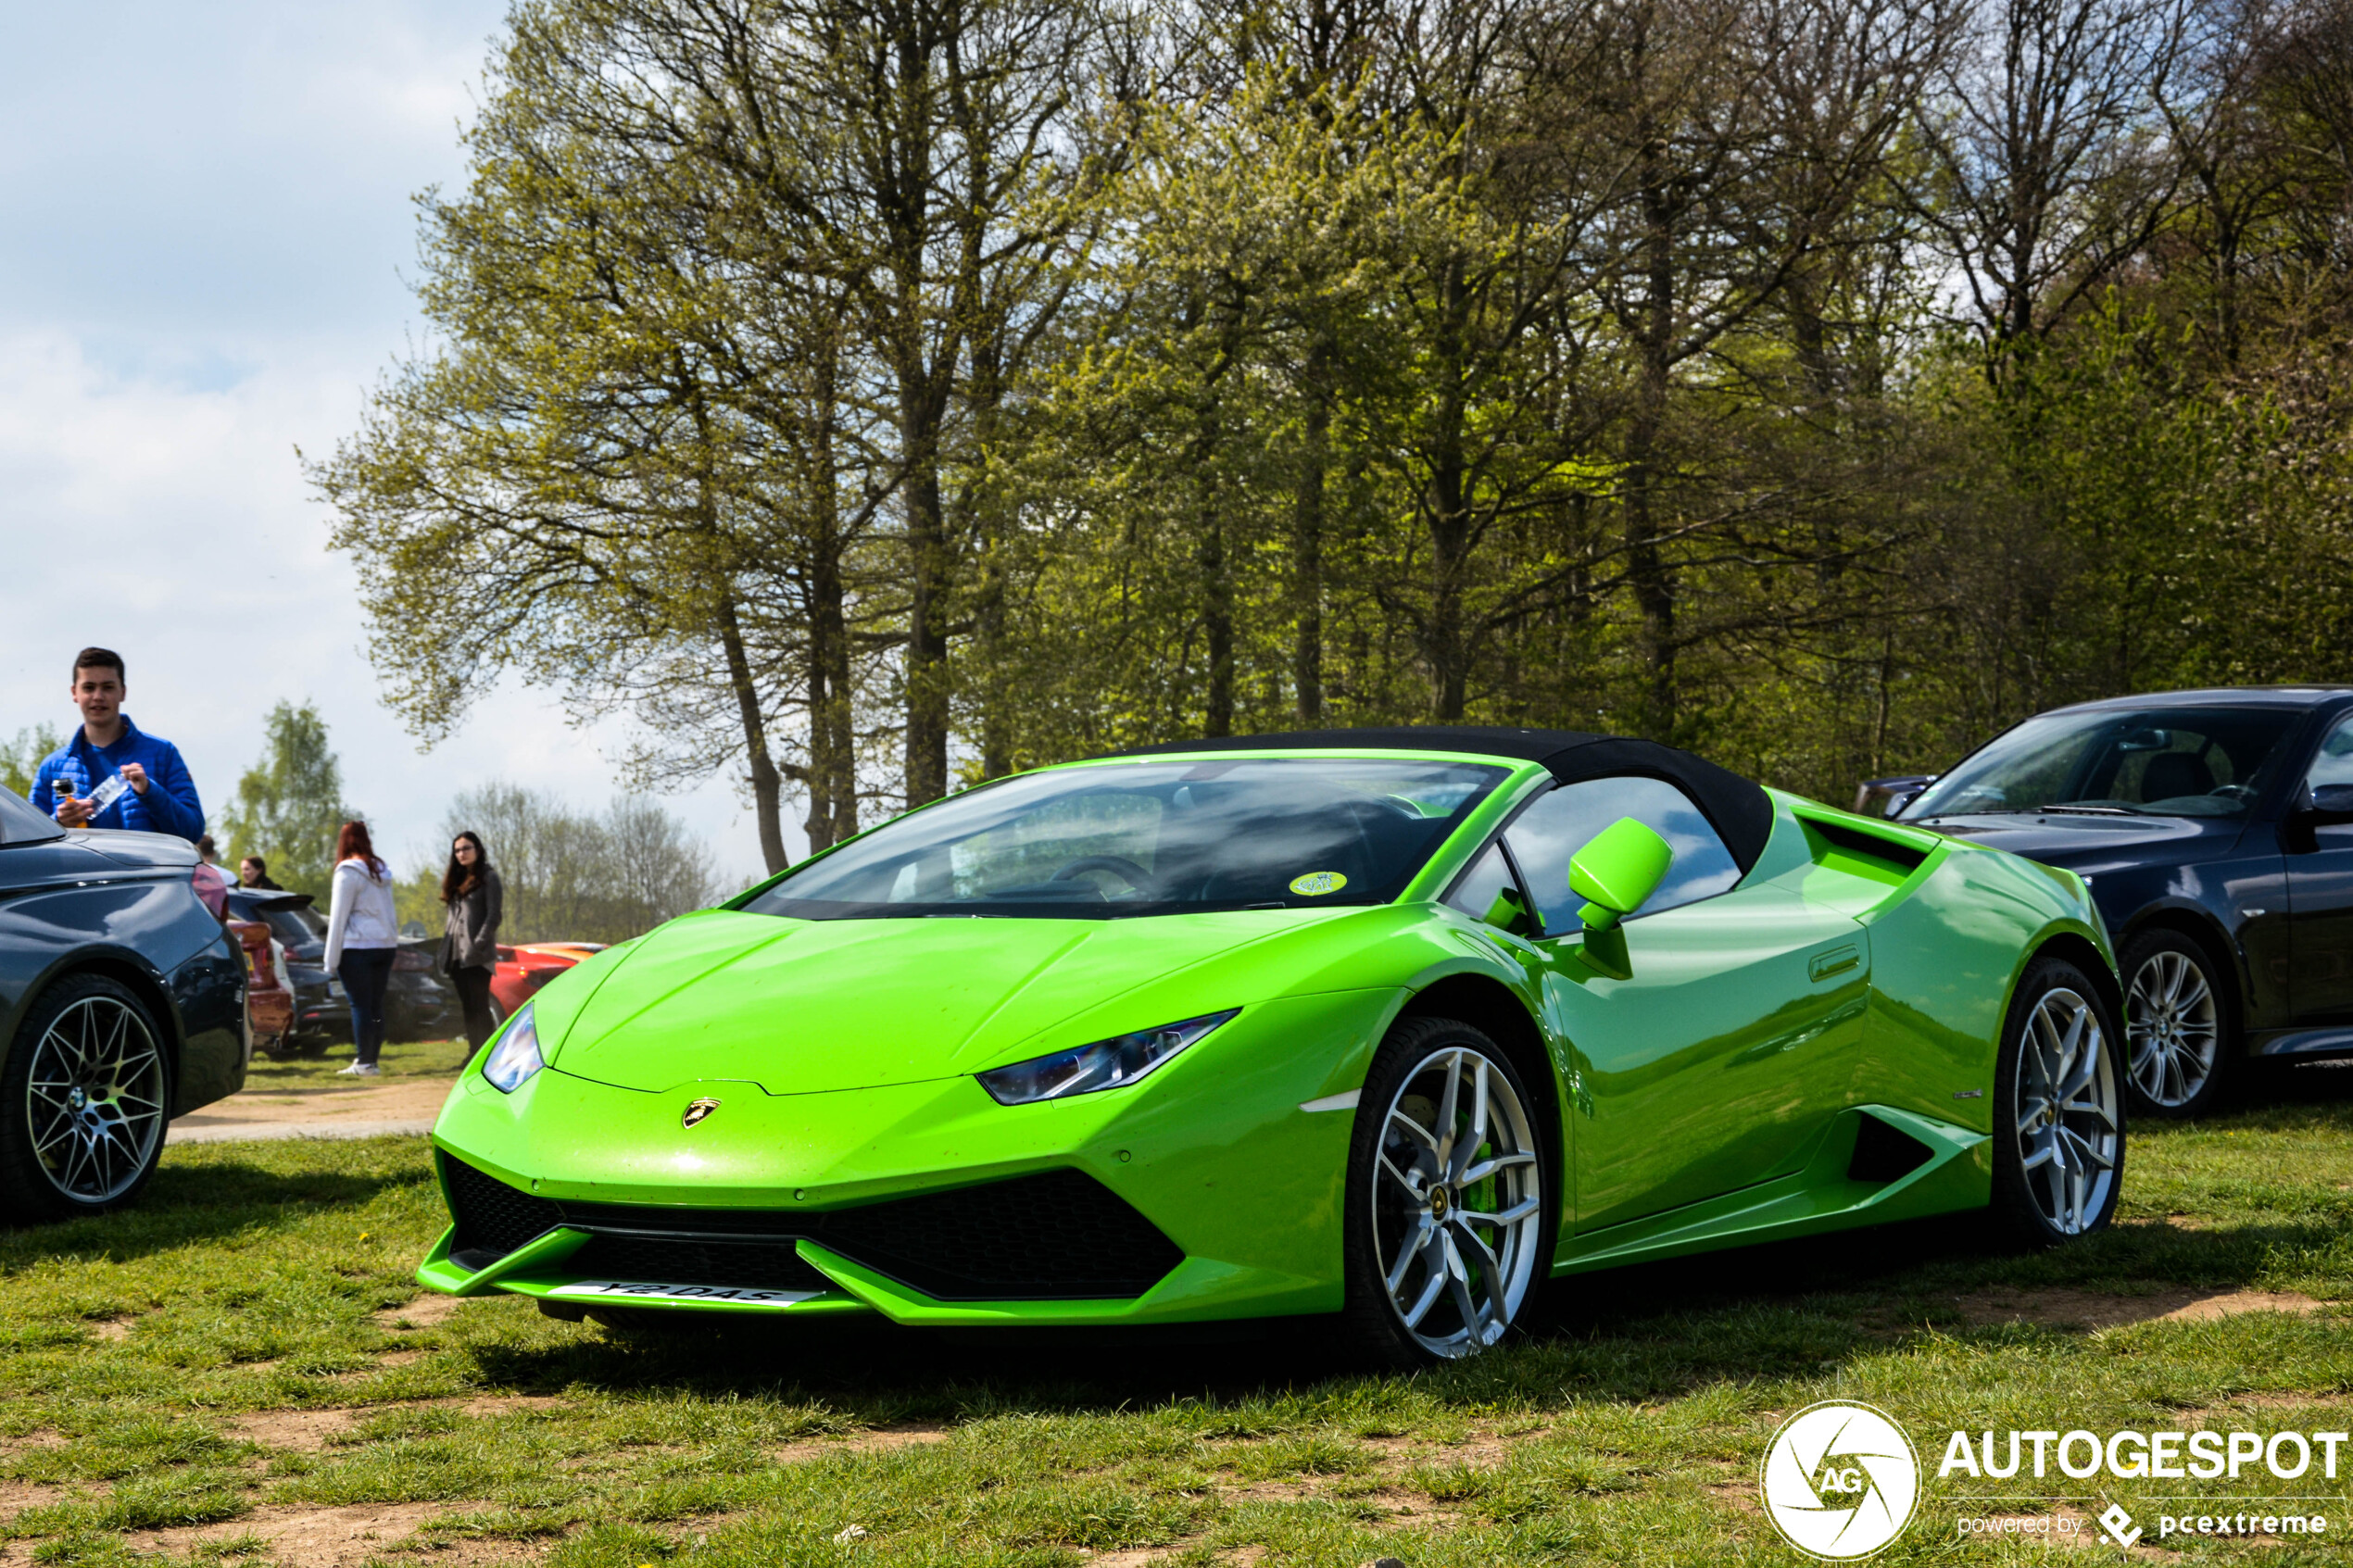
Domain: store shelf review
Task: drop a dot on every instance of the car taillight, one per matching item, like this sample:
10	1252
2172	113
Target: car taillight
211	889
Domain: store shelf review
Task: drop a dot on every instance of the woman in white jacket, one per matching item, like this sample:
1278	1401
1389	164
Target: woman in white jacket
362	936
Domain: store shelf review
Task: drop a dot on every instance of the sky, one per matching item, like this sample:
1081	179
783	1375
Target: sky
205	240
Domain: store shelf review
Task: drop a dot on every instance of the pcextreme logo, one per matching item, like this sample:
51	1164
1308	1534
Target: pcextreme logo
1840	1480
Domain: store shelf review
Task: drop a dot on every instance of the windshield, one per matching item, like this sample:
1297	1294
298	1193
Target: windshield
1147	838
2188	762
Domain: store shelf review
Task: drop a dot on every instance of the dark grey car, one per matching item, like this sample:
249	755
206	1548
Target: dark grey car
123	1004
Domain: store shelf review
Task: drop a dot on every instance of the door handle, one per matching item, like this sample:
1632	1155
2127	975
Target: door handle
1835	961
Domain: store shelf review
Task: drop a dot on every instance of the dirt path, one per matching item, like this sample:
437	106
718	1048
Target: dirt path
346	1109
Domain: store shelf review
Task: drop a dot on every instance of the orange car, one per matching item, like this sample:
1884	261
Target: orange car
522	970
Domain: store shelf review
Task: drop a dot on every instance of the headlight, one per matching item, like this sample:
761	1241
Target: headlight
1106	1064
516	1055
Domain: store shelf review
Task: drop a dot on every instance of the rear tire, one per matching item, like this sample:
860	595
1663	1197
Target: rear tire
1449	1212
2181	1040
84	1096
2059	1109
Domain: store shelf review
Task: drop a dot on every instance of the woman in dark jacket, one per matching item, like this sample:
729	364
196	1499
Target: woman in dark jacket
471	900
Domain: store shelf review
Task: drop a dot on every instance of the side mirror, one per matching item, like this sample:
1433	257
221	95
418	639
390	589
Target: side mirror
1617	871
2330	803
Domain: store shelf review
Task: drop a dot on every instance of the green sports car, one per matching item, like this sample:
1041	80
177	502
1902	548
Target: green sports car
1378	1024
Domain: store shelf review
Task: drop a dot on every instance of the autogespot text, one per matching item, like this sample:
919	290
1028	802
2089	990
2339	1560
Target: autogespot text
2133	1456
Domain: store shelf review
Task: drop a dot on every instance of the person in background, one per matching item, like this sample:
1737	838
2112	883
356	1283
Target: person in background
471	900
210	854
254	872
212	883
361	940
114	774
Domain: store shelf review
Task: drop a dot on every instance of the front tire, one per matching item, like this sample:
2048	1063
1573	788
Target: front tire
2177	1026
83	1098
1449	1207
2059	1109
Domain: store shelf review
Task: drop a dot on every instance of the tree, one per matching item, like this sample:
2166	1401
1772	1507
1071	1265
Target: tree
289	805
571	876
21	756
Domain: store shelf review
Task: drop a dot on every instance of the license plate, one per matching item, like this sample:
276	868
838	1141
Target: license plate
650	1290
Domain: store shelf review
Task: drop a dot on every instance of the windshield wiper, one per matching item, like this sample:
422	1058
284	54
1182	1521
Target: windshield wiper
2028	811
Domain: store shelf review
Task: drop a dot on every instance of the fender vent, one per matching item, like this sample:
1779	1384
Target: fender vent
1903	857
1884	1154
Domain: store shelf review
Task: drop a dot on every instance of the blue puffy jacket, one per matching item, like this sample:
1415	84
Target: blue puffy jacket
171	804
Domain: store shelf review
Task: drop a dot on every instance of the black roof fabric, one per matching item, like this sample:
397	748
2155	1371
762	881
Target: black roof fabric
1738	809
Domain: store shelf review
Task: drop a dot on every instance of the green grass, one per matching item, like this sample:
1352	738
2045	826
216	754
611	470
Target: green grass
231	1356
400	1058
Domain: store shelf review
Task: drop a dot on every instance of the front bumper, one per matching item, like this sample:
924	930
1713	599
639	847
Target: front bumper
1211	1151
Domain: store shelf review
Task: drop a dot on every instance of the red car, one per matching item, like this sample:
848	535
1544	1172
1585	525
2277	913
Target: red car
269	1001
522	970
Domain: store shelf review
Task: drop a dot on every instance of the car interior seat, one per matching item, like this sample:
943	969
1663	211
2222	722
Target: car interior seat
2170	774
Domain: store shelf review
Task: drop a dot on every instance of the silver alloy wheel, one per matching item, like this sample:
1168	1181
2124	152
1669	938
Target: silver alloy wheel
2069	1132
2172	1029
94	1102
1457	1201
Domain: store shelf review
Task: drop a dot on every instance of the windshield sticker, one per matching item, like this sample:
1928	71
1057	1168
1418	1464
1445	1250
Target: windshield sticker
1316	884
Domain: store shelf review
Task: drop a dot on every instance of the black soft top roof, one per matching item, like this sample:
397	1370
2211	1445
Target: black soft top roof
1738	809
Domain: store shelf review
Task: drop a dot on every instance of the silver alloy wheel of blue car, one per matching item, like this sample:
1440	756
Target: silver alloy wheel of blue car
94	1102
2172	1028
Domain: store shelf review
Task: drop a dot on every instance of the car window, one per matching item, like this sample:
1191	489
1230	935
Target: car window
23	822
1489	877
1147	838
295	926
2333	764
2179	762
1563	821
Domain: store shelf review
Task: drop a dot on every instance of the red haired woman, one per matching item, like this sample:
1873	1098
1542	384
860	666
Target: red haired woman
362	936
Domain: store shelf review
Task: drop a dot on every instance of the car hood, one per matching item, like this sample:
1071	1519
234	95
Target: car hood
803	1006
141	851
2089	843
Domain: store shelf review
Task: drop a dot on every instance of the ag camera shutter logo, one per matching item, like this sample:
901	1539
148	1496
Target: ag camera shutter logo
1840	1480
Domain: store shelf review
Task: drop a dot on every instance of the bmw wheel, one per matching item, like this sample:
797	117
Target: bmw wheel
2176	1022
83	1098
1449	1199
2059	1109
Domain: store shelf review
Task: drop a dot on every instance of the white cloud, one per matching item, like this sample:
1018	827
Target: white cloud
209	212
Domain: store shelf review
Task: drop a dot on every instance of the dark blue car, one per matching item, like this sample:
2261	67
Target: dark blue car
2215	830
123	1004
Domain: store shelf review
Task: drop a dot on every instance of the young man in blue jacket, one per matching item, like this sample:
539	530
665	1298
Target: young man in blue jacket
116	776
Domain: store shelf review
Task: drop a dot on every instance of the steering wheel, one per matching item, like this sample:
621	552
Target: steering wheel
1128	871
2232	791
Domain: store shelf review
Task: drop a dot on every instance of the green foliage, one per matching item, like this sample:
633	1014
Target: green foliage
1667	379
289	805
21	757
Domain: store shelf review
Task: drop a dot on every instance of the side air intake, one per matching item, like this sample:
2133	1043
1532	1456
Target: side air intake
1883	1153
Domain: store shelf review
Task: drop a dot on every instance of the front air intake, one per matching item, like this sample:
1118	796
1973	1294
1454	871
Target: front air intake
1055	1234
493	1218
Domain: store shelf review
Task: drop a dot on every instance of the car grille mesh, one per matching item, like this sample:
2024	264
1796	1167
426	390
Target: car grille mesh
493	1218
744	1265
1054	1234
